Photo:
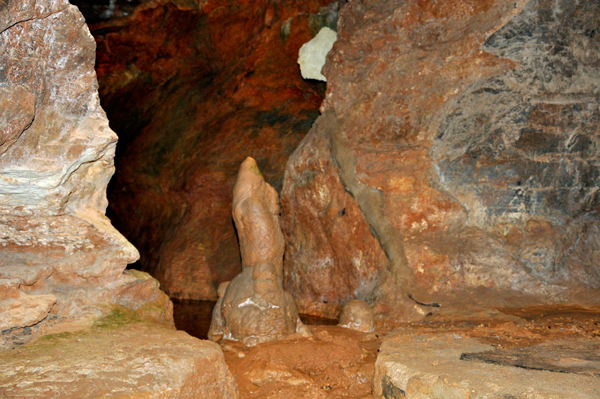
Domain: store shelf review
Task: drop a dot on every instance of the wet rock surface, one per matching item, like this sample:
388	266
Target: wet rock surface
253	307
119	357
463	137
192	88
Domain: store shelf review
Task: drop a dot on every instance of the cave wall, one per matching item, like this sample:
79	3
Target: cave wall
193	88
457	151
61	261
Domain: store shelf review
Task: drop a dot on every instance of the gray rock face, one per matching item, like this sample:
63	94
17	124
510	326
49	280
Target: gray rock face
524	144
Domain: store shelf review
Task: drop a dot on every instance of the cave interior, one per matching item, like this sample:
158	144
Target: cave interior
431	205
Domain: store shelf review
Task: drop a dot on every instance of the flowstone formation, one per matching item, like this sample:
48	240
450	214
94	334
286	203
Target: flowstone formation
457	152
254	308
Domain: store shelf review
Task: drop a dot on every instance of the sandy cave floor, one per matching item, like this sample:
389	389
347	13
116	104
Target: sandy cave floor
340	363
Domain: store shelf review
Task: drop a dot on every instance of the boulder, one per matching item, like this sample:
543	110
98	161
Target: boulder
118	357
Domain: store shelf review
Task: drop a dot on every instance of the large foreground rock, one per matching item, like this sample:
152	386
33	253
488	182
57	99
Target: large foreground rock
458	149
117	358
61	261
425	366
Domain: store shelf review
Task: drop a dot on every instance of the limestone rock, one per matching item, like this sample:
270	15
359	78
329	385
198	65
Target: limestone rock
254	307
117	357
312	54
14	12
61	261
464	133
357	315
18	310
217	323
429	366
142	294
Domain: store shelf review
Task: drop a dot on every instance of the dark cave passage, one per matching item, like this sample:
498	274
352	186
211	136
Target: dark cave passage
191	92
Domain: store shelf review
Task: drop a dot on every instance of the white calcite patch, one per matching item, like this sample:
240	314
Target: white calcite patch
313	54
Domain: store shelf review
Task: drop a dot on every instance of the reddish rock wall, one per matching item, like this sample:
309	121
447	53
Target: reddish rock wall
193	88
460	138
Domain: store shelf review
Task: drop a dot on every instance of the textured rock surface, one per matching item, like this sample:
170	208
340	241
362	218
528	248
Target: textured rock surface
319	219
357	315
192	89
254	307
463	138
61	261
117	358
335	363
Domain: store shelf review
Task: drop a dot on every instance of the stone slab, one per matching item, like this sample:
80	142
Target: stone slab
117	359
429	366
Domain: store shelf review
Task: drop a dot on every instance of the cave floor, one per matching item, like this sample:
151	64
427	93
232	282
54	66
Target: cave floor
528	352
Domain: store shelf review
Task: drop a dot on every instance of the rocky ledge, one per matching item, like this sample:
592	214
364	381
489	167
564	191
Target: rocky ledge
120	356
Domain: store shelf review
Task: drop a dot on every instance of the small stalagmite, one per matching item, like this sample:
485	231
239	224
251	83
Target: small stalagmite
254	308
357	315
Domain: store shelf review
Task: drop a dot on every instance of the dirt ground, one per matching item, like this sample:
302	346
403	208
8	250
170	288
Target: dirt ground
340	363
335	363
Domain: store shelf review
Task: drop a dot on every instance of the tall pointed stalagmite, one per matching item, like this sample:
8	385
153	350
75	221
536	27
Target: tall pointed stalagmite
254	308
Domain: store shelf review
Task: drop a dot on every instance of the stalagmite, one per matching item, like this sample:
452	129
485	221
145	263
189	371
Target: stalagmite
357	315
254	307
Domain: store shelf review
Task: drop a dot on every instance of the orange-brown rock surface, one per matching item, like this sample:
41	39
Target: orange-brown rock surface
457	150
357	315
192	88
335	363
61	261
254	308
